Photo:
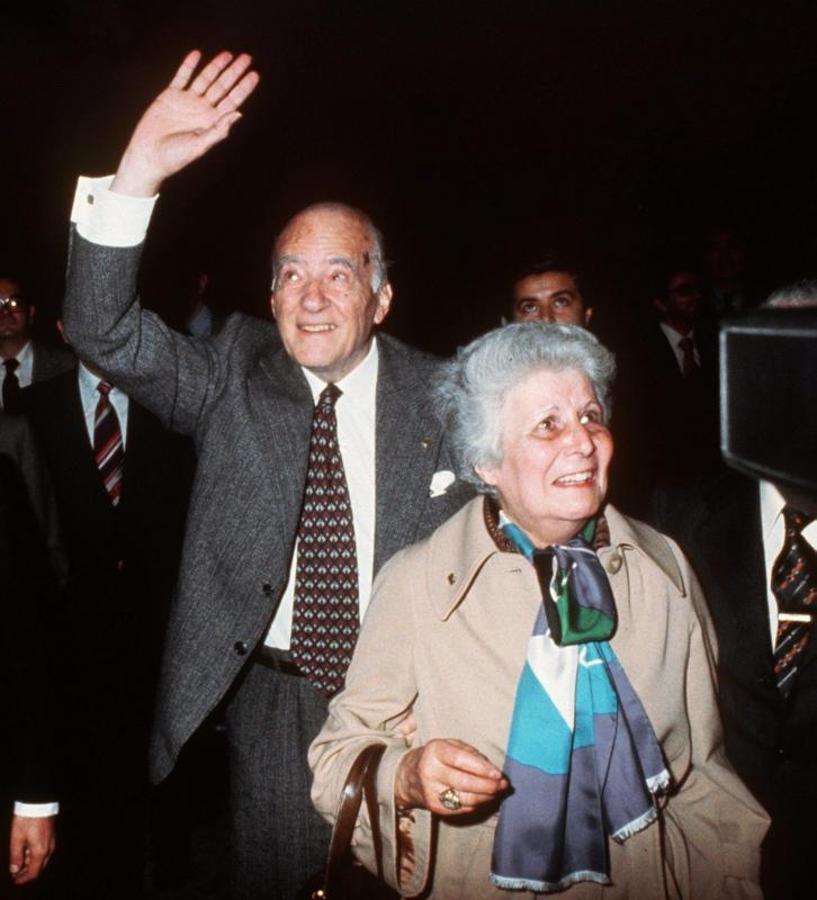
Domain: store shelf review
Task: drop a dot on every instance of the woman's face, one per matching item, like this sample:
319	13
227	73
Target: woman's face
556	453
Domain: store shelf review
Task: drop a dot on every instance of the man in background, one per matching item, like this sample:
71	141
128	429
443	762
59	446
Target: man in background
24	360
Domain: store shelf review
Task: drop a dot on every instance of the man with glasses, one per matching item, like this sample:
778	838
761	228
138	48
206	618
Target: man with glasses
24	360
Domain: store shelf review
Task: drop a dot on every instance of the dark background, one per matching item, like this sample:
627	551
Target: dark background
474	135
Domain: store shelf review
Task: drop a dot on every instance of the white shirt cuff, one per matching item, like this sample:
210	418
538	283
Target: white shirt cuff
36	810
110	219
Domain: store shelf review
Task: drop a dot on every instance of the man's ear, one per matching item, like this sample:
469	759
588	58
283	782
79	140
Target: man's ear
272	304
659	304
588	315
32	311
384	298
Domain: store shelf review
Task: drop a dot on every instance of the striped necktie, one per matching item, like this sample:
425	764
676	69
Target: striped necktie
794	584
108	449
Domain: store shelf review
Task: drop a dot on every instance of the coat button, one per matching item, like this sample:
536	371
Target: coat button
266	588
451	578
614	563
240	648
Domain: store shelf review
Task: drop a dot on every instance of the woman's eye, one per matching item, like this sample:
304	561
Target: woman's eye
290	276
591	417
547	425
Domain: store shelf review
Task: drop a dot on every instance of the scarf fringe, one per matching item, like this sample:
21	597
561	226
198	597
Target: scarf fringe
659	782
548	887
639	824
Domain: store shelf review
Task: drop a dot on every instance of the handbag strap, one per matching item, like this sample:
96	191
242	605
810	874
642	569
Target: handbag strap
359	783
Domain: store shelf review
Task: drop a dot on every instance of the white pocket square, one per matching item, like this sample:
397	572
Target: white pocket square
441	482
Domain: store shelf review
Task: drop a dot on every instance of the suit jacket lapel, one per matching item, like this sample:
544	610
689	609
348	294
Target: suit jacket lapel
281	404
406	450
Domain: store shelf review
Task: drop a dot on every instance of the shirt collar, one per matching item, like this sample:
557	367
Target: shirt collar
88	382
675	336
771	506
26	354
356	383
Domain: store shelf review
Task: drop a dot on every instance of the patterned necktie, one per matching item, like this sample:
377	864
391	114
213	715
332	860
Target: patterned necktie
108	449
326	610
11	386
794	584
688	365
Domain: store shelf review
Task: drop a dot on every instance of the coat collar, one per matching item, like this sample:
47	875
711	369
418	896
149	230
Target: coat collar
461	547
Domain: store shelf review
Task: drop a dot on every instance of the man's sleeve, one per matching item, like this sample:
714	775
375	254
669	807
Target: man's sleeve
169	373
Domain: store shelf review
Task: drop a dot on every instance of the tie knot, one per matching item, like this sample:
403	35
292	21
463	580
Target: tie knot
686	344
11	364
104	388
329	396
795	520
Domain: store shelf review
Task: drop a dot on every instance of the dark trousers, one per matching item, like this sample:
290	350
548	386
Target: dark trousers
278	841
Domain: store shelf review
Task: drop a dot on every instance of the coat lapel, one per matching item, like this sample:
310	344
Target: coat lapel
281	405
407	448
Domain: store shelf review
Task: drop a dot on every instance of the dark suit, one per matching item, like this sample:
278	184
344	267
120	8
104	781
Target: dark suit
770	740
122	563
50	361
249	408
26	602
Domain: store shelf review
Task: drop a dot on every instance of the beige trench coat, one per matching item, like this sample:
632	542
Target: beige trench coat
446	634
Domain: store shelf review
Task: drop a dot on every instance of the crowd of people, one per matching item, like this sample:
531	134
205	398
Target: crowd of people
328	538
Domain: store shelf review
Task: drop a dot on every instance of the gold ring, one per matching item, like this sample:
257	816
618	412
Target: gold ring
450	799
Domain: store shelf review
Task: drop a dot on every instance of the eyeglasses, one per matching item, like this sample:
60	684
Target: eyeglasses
12	303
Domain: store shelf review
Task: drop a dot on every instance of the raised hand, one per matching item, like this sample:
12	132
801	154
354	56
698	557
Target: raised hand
185	121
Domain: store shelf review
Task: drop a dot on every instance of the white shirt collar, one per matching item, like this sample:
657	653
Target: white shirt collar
674	336
771	507
26	355
358	383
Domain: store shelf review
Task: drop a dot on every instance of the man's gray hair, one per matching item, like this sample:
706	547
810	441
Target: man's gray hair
476	382
800	295
377	253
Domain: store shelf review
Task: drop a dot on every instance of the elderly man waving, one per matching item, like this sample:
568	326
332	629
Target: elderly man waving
317	452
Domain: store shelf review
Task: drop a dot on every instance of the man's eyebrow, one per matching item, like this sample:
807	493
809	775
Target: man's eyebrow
288	258
341	261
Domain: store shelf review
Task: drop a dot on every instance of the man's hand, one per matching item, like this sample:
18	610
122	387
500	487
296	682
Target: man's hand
184	121
32	843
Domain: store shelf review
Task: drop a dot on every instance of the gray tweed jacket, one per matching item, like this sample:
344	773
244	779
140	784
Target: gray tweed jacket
249	410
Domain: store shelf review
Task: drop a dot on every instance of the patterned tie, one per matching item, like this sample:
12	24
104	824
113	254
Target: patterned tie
11	386
794	584
108	449
688	365
326	610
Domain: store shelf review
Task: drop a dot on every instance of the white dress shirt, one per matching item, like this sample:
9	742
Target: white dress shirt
675	337
774	535
89	396
355	412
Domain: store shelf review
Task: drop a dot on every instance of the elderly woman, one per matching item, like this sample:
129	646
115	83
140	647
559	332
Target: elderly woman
557	659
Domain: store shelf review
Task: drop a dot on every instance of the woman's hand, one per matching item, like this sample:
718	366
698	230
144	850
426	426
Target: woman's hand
427	772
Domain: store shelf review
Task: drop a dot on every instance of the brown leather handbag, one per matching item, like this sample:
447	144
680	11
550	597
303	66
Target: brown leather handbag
345	878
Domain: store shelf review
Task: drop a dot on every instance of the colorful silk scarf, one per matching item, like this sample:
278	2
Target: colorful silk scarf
582	758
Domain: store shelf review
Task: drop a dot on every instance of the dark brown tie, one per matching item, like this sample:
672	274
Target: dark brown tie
794	584
11	386
326	609
108	449
688	365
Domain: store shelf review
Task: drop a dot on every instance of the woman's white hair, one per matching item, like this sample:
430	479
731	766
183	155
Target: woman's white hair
476	382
